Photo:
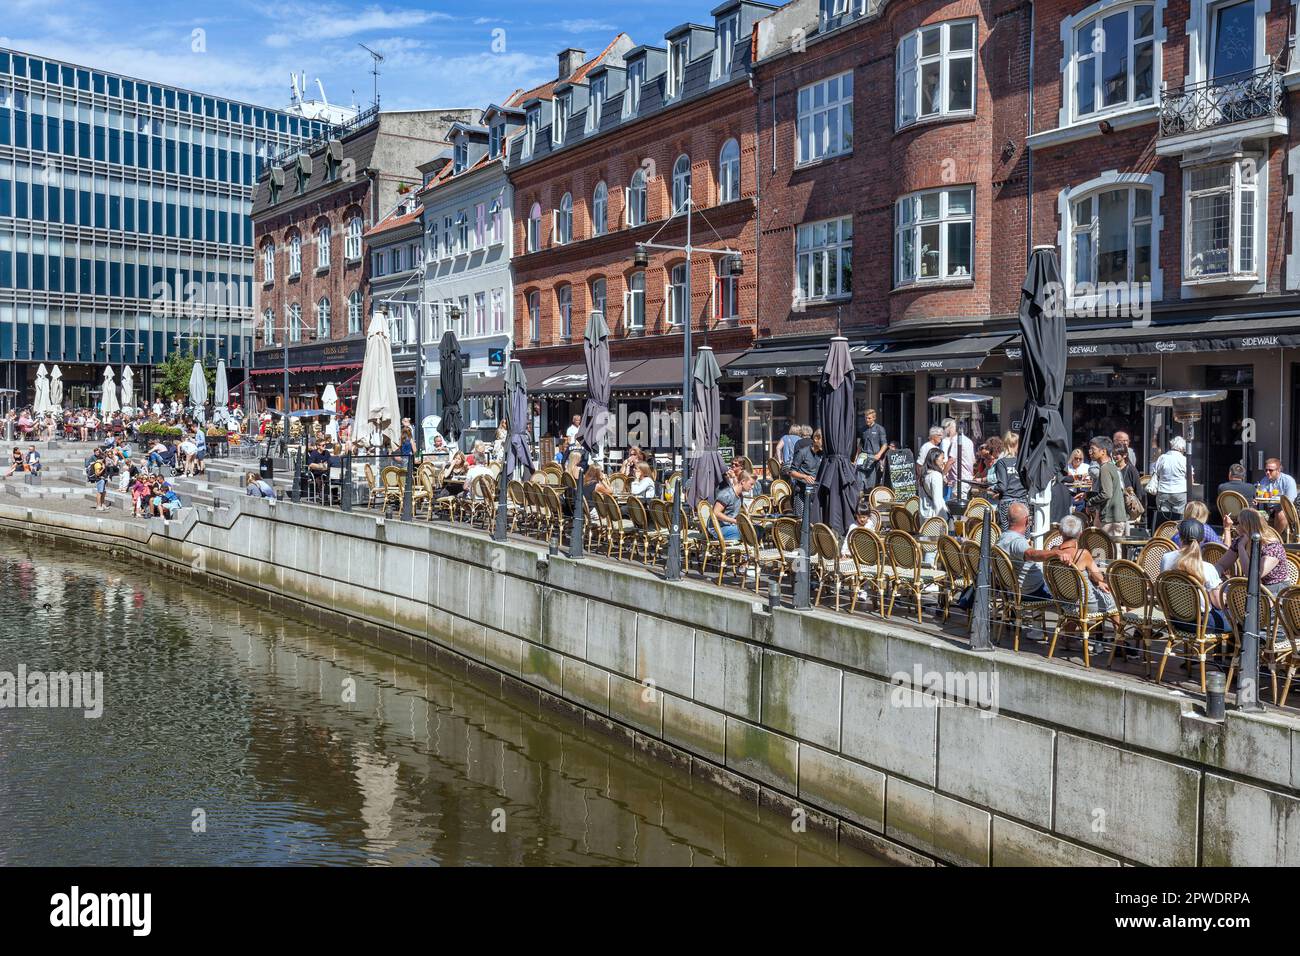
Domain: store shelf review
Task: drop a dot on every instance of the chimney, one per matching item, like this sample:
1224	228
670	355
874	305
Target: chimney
570	59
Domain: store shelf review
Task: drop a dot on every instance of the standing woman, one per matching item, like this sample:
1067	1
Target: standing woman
1004	478
932	485
1170	477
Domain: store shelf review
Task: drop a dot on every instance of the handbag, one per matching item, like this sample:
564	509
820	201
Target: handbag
1132	506
1153	485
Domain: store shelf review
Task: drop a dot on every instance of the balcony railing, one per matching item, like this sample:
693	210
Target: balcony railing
364	118
1237	98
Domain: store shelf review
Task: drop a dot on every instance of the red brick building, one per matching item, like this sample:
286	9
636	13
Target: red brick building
638	131
1155	145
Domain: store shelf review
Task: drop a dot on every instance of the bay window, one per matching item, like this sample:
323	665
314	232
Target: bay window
1110	238
936	72
933	235
824	259
1219	208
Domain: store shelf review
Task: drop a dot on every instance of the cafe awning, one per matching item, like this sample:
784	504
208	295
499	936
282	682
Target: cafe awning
1224	335
663	373
572	379
485	385
957	355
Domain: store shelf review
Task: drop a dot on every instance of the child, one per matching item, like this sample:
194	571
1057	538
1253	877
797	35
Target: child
140	492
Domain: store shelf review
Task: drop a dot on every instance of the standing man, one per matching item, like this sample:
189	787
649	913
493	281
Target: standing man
960	452
1108	493
873	443
804	468
935	441
788	442
572	433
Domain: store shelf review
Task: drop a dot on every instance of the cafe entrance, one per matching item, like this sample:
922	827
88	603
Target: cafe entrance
1102	401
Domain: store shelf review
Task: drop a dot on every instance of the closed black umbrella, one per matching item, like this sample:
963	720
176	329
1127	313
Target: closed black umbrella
1044	441
450	384
517	453
835	499
595	411
708	470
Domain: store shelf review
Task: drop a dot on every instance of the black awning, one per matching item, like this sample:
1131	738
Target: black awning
802	360
665	373
957	355
1210	335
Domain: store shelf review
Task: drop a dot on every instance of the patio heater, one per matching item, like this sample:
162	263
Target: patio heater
670	402
1187	410
761	403
963	406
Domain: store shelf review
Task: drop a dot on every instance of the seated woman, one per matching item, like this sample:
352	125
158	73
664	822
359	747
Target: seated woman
1199	511
1272	553
643	485
17	464
594	481
1189	559
631	464
726	505
1078	466
1099	599
457	467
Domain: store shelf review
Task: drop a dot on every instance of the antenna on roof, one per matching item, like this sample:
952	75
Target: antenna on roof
378	58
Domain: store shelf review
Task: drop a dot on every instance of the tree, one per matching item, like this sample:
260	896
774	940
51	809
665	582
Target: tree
172	377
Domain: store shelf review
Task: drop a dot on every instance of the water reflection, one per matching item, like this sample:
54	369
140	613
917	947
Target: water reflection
297	745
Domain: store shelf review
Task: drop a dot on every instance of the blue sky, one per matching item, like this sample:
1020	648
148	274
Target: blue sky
437	55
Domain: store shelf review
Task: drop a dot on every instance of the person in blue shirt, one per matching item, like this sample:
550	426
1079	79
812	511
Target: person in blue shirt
168	503
1271	489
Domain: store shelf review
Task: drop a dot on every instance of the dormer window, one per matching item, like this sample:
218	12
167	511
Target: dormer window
595	103
676	68
530	130
632	95
495	137
461	159
560	126
727	29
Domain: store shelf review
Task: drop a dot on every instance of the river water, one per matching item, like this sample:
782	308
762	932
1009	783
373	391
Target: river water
230	735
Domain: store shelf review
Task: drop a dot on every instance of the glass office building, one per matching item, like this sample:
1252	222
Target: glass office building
125	229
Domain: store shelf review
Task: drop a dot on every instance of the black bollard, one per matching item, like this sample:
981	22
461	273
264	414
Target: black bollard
1248	675
1214	694
980	631
503	480
345	484
773	595
803	565
407	490
673	560
296	492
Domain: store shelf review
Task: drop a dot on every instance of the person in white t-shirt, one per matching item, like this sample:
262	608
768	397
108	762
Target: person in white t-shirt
572	432
936	439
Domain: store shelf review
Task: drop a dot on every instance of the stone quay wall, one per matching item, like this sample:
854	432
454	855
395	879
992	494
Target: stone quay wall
924	751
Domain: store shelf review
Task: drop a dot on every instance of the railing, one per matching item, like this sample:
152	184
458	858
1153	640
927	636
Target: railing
1235	98
331	132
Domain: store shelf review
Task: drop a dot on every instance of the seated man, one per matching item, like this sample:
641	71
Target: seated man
33	460
167	504
1026	561
318	467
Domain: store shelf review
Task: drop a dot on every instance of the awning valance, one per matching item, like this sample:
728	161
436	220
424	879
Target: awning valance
664	373
957	355
1223	335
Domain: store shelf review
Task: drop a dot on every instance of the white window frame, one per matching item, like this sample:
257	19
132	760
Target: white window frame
1249	179
564	310
916	224
480	313
535	315
560	119
909	66
600	209
323	247
462	232
498	310
564	221
534	227
681	183
726	31
293	321
268	327
634	198
676	295
532	122
726	289
496	137
632	93
1111	179
595	102
807	253
599	300
352	241
268	262
729	172
812	147
1199	29
1073	57
323	317
295	255
354	312
634	316
678	57
496	221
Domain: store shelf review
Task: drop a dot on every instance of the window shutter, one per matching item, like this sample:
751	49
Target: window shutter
627	205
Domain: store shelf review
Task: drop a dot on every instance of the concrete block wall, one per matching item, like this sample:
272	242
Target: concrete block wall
891	736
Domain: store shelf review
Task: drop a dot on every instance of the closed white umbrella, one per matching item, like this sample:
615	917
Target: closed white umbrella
221	394
108	397
41	400
198	389
56	389
128	388
329	400
378	413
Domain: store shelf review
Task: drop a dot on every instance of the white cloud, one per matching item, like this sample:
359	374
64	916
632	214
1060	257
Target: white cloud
300	23
584	26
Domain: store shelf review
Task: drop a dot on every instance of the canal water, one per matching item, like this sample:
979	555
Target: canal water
230	735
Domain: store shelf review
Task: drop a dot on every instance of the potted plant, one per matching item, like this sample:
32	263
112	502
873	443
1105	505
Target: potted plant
217	438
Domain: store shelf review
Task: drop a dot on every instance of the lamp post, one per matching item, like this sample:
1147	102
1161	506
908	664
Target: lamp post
673	562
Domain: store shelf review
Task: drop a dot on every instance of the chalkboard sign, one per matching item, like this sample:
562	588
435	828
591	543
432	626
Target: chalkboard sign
902	473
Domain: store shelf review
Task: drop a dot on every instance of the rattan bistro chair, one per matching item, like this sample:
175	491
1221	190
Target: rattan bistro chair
868	553
1230	504
901	519
1152	554
1099	543
1068	585
831	564
906	572
1288	623
1135	601
756	556
785	535
1010	606
1235	593
1166	530
880	496
954	580
1186	606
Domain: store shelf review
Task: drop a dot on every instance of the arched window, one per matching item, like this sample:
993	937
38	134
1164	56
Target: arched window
323	318
681	183
295	255
268	262
634	302
535	227
729	172
354	312
564	221
295	323
635	199
535	315
323	246
352	239
564	306
268	326
596	289
599	209
1110	238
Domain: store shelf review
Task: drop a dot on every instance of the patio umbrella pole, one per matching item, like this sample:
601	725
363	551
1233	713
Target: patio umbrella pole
579	512
1248	676
802	569
980	637
345	484
407	491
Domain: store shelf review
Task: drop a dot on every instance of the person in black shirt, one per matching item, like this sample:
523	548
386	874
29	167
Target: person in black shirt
1237	482
1128	472
807	461
874	444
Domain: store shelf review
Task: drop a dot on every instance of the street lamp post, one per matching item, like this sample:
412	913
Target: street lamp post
673	562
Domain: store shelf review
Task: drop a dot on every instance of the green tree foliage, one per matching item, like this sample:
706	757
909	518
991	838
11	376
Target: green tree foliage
172	377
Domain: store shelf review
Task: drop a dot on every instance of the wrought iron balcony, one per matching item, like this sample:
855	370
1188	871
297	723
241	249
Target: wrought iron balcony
1237	98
